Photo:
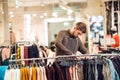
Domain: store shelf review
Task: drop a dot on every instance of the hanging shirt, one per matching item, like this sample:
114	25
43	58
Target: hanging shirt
115	41
44	73
34	74
114	73
22	54
2	72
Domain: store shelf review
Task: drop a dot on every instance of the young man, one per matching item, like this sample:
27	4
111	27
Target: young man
68	42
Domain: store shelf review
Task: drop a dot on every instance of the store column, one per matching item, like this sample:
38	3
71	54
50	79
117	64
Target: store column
5	24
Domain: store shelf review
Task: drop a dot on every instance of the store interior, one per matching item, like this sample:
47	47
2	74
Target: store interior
41	20
33	47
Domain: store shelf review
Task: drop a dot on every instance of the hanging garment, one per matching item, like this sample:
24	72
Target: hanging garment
68	77
2	72
44	73
34	74
99	69
7	74
80	72
58	72
50	61
116	63
114	74
26	54
50	73
22	74
18	54
41	73
38	73
30	73
89	69
0	56
22	54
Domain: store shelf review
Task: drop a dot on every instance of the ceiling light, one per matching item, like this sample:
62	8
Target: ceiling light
11	12
2	12
45	14
69	11
11	16
54	14
41	16
69	16
34	15
17	6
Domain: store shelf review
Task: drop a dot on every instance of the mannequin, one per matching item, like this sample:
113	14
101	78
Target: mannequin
115	37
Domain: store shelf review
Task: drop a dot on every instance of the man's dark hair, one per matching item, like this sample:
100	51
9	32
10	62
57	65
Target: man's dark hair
81	26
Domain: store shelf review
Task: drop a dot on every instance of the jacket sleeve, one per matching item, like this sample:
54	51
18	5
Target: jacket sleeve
60	45
82	48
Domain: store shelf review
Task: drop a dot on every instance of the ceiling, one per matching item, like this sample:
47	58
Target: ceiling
25	3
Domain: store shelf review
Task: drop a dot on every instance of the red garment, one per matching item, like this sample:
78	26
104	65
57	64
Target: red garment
68	77
26	54
50	73
116	39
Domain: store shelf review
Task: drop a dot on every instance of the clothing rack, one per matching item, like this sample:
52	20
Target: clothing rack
4	46
64	56
23	42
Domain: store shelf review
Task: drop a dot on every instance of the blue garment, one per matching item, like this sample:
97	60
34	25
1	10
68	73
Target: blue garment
114	73
30	52
2	72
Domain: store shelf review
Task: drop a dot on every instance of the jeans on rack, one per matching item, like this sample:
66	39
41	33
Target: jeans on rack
89	70
100	75
63	69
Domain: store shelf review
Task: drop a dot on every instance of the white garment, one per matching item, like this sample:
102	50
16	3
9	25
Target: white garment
44	74
41	73
22	54
30	69
7	75
51	55
14	74
17	74
38	73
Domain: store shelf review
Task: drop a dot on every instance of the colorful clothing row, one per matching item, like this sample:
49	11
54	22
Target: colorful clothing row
24	52
41	73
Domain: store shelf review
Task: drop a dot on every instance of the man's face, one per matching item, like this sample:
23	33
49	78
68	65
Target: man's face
77	33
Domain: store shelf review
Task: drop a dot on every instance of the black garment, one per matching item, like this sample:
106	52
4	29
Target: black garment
100	75
88	70
116	63
1	57
63	68
92	69
108	6
36	51
14	48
